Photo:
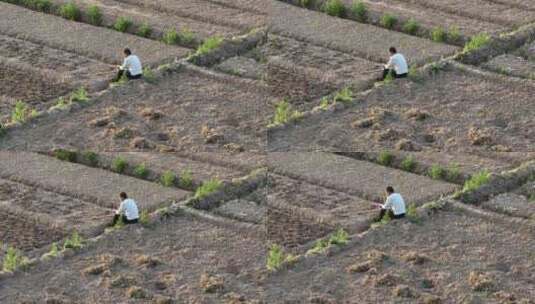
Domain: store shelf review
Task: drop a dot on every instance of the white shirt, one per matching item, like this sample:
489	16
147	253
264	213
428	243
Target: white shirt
398	63
128	207
396	203
133	65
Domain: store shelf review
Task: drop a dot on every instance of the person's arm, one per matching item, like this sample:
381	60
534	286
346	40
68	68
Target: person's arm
388	203
121	208
125	64
389	64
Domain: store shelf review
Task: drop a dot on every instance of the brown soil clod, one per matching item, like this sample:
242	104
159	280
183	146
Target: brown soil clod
211	283
141	143
136	292
406	145
429	299
99	122
95	269
233	148
415	258
481	281
387	280
122	281
363	123
480	137
211	136
124	133
403	291
151	114
147	261
417	114
360	267
388	134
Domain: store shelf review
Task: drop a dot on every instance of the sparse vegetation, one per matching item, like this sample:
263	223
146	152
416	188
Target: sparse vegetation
477	180
209	45
186	36
144	218
65	155
148	75
408	164
389	78
306	3
13	260
119	164
411	26
91	158
359	11
170	37
275	258
80	95
388	21
385	158
168	178
340	237
122	24
284	113
70	11
75	241
437	172
454	34
345	95
438	35
39	5
61	103
22	112
53	252
141	171
412	213
477	42
453	173
208	187
94	15
320	246
185	179
334	8
144	30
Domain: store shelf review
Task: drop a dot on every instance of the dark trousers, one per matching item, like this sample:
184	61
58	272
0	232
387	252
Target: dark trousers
123	219
120	74
390	214
393	73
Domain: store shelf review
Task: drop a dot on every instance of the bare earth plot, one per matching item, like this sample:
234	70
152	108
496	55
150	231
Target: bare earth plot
449	258
37	74
188	110
206	11
100	43
178	252
430	18
363	40
490	11
159	21
511	65
454	110
365	179
95	185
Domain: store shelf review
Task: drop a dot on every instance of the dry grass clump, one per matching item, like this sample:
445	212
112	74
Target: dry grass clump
147	261
211	283
481	281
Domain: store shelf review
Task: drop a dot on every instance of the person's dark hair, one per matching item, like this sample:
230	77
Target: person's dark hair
123	195
393	50
127	52
389	189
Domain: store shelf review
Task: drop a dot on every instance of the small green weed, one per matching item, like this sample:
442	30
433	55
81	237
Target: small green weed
94	15
148	75
359	11
388	21
207	188
170	37
141	171
168	178
79	95
186	36
144	30
144	218
437	172
53	252
61	103
22	112
408	164
411	26
319	247
340	237
185	179
13	260
122	24
324	103
275	258
70	11
412	213
385	158
119	164
284	113
477	42
477	180
334	8
438	35
345	96
454	34
75	241
65	155
454	173
209	44
91	158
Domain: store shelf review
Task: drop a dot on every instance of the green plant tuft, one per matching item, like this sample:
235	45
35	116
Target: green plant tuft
385	158
22	112
412	213
144	218
13	260
411	26
148	75
186	36
408	164
207	188
168	178
359	11
186	179
334	8
70	11
453	173
91	157
119	164
209	44
438	35
275	258
170	37
144	30
94	15
340	237
122	24
75	241
477	180
477	42
345	95
454	34
65	155
320	246
388	21
141	171
53	252
437	172
79	95
284	113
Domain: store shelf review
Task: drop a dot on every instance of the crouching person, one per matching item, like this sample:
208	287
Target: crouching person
127	212
131	67
394	205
